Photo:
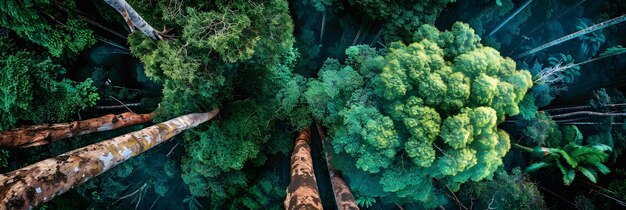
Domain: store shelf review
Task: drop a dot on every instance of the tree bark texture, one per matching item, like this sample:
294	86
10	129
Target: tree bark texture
37	135
32	185
343	195
134	19
302	192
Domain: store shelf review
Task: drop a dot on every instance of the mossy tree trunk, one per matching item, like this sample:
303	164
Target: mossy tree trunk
32	185
302	192
37	135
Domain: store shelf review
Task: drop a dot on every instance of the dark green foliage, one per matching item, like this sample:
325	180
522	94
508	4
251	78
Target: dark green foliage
33	89
584	203
618	184
420	112
237	56
399	18
591	42
193	203
265	193
45	24
504	191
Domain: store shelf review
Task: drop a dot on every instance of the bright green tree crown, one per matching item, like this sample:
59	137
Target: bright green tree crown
420	112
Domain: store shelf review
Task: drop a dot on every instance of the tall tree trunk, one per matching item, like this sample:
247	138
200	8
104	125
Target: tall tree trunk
591	113
40	182
572	108
577	34
302	192
37	135
322	29
134	19
343	195
118	106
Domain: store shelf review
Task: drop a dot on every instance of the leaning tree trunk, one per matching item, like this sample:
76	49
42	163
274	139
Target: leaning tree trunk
343	195
37	135
134	19
302	192
32	185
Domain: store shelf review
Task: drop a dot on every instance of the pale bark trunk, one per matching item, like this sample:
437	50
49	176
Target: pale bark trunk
118	106
134	19
601	114
343	195
356	38
32	185
37	135
302	192
322	29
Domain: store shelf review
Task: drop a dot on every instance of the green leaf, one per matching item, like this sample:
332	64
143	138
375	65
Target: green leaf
602	168
569	177
602	147
571	161
589	173
536	166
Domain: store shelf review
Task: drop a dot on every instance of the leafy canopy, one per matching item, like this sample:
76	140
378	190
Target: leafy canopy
416	113
33	89
46	24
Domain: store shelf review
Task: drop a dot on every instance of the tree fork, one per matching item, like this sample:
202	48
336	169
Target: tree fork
302	192
343	195
32	185
38	135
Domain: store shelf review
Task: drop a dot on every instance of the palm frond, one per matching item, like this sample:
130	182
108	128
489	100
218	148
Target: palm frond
571	161
602	168
536	166
588	155
589	173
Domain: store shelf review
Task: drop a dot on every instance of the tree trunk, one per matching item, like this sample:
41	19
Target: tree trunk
343	195
118	106
322	29
32	185
572	108
577	34
591	113
37	135
134	19
302	192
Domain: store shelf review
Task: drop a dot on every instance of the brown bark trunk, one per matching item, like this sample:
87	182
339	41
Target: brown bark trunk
37	135
302	192
32	185
343	195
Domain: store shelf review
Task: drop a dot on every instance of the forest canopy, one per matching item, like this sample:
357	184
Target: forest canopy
373	104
